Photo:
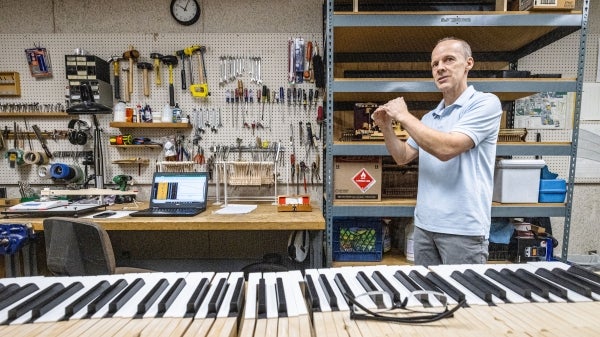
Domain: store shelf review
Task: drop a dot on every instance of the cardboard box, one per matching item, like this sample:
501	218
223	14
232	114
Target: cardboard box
357	178
544	5
517	180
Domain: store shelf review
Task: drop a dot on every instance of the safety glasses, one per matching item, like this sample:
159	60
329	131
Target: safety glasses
417	307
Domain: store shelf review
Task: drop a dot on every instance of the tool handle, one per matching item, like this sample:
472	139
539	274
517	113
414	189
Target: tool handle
171	94
38	135
117	86
183	80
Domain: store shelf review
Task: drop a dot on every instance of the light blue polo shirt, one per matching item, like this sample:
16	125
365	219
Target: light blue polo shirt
455	196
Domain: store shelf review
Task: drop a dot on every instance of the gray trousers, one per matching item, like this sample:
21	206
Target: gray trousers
437	248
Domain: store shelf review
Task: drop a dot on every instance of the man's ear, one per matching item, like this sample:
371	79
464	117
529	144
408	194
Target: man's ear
470	63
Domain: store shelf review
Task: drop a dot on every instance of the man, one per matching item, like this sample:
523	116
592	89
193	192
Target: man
456	147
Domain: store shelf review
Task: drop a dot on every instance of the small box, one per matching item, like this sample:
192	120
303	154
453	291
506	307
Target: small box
298	203
357	239
552	190
357	178
543	5
517	180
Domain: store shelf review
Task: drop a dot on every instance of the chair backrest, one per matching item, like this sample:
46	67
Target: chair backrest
76	247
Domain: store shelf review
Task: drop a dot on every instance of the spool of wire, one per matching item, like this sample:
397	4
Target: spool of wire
65	172
31	157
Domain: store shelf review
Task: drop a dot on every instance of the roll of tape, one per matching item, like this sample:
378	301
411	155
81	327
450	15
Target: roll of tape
44	160
31	157
43	172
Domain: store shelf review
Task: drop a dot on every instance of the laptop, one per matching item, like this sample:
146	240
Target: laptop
176	194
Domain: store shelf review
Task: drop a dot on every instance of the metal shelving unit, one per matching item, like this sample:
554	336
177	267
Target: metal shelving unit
498	40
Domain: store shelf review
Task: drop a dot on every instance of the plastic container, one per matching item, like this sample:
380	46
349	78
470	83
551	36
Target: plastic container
409	251
357	239
167	114
552	190
517	180
119	112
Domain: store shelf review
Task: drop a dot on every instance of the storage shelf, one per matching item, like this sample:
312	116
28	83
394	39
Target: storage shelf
150	125
147	146
406	208
34	114
363	148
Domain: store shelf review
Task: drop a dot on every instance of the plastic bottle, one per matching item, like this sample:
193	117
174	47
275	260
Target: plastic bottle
176	114
167	114
119	112
387	240
408	241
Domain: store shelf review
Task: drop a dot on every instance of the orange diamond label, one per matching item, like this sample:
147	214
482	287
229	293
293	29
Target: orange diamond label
363	180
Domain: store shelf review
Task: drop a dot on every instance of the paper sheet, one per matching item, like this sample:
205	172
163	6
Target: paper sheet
118	214
236	209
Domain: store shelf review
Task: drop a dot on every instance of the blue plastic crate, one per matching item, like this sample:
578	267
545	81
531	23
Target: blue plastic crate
552	190
357	239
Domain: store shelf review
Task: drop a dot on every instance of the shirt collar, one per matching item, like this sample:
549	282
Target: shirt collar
462	99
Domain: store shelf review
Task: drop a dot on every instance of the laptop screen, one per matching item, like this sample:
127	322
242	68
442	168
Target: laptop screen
179	189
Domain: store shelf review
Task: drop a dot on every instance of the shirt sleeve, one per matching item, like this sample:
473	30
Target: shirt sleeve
481	118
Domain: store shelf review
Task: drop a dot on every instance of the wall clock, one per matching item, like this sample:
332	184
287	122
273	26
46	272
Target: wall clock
185	12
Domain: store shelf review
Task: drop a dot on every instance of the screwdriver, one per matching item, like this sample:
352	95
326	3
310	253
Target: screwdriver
265	94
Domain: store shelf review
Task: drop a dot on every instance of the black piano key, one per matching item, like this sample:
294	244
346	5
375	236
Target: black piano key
261	294
542	282
311	293
595	287
446	287
105	297
329	293
486	284
387	286
472	286
498	277
406	281
217	298
151	297
575	269
537	289
369	286
125	296
237	299
280	297
193	304
342	284
564	282
17	294
423	282
34	301
51	302
86	298
170	296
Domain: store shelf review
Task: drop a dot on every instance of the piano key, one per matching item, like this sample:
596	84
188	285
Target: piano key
21	294
594	287
406	295
271	294
328	290
105	297
170	296
281	301
85	299
261	294
51	303
7	290
387	286
498	277
512	296
564	282
250	310
212	295
123	297
33	301
152	296
445	272
406	281
232	294
423	281
483	283
542	283
237	298
535	289
216	298
446	287
312	276
584	273
131	307
337	301
189	301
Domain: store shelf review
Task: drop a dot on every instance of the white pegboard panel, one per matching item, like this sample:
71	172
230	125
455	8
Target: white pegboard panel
270	48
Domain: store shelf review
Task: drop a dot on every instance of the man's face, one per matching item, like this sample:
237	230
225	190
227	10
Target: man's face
449	65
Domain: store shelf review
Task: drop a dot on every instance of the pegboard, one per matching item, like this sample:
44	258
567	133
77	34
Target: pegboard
279	119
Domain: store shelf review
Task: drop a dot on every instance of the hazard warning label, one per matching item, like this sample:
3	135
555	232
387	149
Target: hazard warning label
363	180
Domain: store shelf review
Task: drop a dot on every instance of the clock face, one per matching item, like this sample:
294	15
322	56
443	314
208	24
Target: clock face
186	12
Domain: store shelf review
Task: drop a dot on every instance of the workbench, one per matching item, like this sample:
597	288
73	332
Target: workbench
264	218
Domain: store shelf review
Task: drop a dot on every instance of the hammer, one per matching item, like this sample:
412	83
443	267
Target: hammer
181	54
156	57
115	61
171	61
145	66
132	56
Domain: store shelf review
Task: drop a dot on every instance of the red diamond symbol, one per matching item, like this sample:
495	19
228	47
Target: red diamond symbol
363	180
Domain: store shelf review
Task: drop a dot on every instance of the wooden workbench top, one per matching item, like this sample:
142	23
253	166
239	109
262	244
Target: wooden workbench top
264	217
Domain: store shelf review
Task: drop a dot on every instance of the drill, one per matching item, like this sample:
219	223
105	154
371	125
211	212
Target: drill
121	180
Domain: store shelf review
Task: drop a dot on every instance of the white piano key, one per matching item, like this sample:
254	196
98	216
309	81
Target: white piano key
251	296
289	283
295	278
232	281
270	280
323	304
203	310
179	307
129	310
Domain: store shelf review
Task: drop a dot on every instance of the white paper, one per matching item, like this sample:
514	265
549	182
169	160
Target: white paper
119	214
236	209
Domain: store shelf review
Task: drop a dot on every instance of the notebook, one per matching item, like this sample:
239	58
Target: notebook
177	194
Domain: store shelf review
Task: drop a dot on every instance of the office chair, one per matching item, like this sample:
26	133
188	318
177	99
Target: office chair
76	247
